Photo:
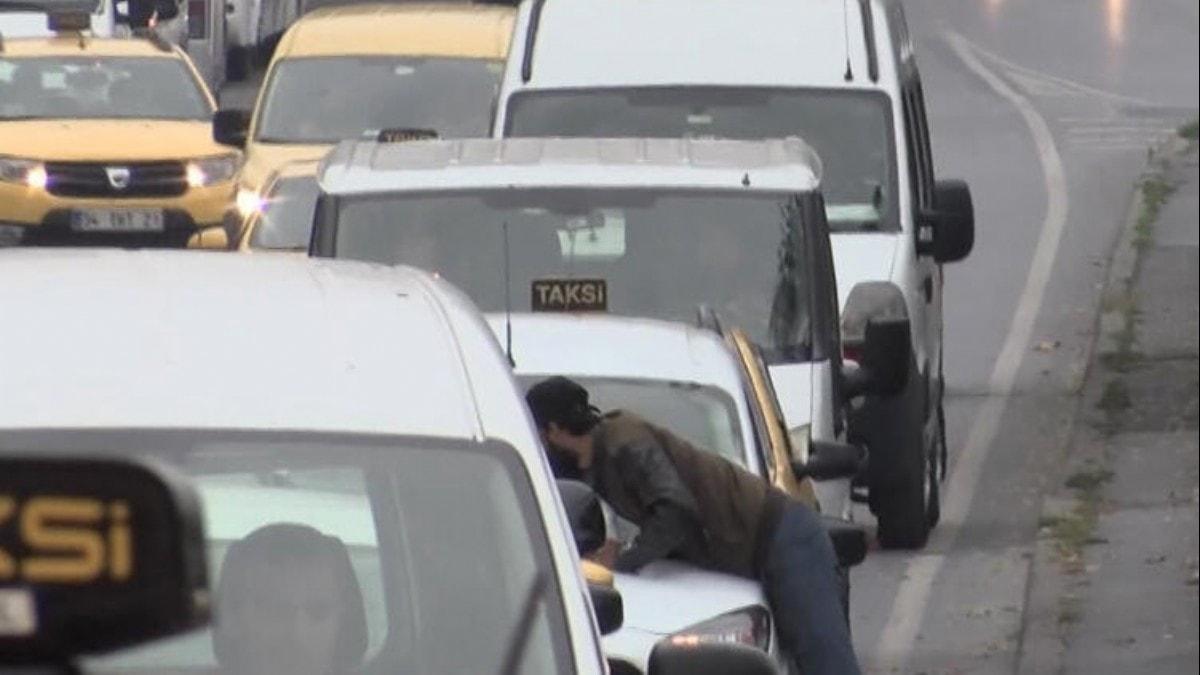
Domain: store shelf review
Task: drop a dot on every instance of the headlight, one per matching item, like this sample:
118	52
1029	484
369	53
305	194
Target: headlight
23	172
211	170
248	202
749	626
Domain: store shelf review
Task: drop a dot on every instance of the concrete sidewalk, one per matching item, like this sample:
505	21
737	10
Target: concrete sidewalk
1114	587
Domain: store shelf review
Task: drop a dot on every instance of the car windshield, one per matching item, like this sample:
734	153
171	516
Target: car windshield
706	417
404	555
850	130
329	99
632	252
285	222
100	88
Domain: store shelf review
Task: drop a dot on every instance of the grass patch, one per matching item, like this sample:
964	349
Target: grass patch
1115	399
1190	130
1155	192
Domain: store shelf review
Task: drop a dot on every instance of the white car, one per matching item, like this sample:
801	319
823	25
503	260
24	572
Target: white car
842	75
33	23
633	227
367	403
694	382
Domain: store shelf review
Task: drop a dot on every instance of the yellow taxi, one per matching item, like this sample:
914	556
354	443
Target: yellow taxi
281	221
341	71
106	142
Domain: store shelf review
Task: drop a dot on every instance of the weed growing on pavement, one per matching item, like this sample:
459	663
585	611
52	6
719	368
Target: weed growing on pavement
1190	130
1155	192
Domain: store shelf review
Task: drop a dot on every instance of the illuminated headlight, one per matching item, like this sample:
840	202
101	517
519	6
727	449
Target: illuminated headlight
211	170
23	172
248	202
749	626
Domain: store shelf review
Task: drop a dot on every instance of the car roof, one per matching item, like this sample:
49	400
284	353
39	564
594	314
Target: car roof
178	339
416	29
615	43
368	166
603	345
73	45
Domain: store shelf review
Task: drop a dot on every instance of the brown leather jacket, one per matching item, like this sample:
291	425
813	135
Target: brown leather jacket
689	503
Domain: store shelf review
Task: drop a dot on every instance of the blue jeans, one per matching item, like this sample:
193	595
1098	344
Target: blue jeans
800	579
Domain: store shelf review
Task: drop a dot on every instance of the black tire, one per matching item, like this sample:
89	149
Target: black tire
894	429
237	64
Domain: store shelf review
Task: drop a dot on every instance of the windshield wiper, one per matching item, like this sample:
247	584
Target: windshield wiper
516	646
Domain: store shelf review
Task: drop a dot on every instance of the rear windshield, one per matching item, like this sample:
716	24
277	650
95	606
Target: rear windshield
100	88
633	252
850	130
329	99
349	554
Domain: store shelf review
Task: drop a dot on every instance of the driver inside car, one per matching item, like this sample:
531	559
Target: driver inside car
288	601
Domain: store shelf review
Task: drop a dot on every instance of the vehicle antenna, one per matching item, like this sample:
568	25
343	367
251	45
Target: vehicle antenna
846	38
507	299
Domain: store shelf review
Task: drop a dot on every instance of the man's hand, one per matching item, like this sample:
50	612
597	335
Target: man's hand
607	554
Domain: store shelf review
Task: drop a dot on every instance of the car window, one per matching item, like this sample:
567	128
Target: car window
285	221
361	555
100	88
647	253
704	416
328	99
850	130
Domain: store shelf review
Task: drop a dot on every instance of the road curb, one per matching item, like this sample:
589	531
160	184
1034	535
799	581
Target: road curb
1050	592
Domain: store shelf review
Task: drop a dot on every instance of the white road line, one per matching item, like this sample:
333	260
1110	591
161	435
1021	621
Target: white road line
908	609
1102	121
1117	130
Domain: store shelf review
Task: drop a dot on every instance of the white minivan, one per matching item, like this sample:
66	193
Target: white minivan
842	75
360	411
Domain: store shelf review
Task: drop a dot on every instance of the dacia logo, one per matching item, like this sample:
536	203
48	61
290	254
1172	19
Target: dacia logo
118	176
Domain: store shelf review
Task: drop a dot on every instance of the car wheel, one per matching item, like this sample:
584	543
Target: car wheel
900	486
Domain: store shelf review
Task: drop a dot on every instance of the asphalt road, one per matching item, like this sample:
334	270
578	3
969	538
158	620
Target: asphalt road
1048	110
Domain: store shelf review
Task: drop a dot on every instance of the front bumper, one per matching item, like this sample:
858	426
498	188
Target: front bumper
34	217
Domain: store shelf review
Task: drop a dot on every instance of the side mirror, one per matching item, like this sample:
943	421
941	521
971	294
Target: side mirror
609	608
88	538
230	126
829	460
709	658
585	514
883	366
210	239
849	540
951	225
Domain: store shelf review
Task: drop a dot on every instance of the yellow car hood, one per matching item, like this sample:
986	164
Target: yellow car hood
264	158
108	140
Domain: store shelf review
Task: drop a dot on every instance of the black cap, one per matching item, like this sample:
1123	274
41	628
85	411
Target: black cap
559	400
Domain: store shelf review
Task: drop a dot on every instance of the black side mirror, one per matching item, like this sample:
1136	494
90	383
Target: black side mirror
609	608
709	658
883	366
230	126
829	460
849	540
83	538
585	514
951	225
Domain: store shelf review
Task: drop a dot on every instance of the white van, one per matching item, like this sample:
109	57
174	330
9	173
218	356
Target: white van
359	410
842	75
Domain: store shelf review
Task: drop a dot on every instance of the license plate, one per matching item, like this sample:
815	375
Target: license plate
117	220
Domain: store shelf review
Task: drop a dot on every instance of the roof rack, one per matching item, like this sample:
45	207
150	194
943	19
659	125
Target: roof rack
868	19
535	20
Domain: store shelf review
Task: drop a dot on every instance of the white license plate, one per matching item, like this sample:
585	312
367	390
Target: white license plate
117	220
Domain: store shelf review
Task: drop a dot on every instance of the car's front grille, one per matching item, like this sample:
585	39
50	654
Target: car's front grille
95	179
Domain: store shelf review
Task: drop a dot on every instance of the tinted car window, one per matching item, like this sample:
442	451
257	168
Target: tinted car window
851	131
660	254
341	554
328	99
99	88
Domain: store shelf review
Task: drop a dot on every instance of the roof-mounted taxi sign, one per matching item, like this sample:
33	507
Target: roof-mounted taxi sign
95	554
